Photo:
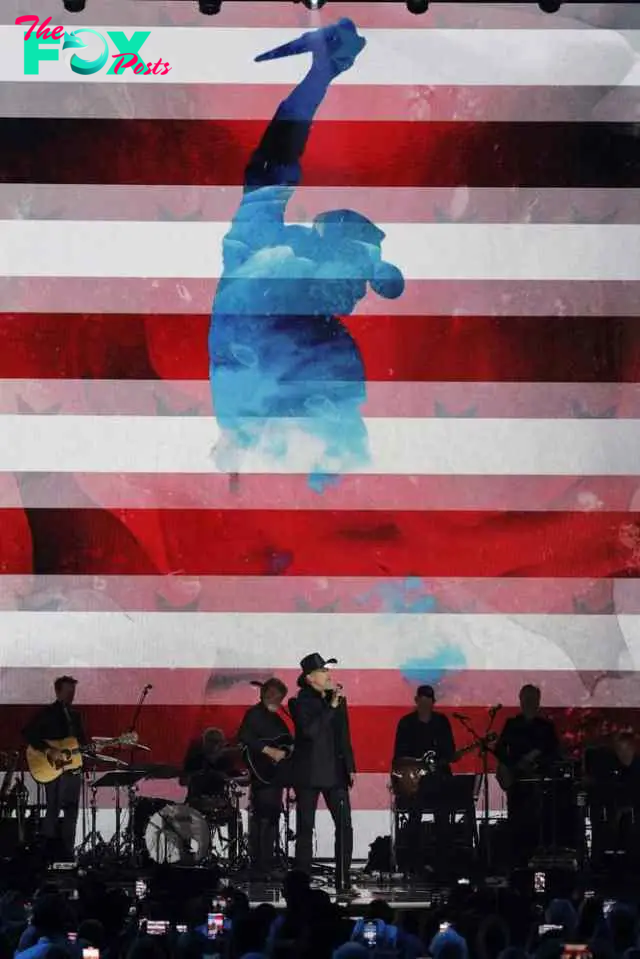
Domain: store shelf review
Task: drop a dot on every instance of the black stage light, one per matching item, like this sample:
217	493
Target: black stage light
74	6
210	7
417	6
550	6
314	4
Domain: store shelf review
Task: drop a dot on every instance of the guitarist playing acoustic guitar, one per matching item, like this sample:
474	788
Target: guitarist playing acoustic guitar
527	744
55	722
267	746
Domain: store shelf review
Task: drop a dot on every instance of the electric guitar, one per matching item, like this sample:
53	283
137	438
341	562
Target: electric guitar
263	767
407	772
507	775
45	769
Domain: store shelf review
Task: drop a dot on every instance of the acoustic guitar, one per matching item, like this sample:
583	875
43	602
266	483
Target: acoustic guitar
261	766
45	770
407	773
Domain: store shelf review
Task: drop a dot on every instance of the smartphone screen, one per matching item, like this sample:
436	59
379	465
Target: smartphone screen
157	927
181	927
607	906
90	953
370	933
215	924
141	888
72	937
444	926
539	882
548	927
576	951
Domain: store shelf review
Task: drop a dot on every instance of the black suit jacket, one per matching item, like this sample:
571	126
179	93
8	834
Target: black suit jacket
51	722
323	755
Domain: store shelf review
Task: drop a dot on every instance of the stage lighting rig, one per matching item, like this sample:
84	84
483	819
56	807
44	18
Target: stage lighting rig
417	6
74	6
550	6
313	4
210	7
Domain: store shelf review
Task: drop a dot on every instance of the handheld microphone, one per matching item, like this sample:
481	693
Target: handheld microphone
148	687
495	709
461	717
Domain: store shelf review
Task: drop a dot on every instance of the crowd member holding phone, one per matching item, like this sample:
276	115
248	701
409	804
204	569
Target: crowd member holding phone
52	920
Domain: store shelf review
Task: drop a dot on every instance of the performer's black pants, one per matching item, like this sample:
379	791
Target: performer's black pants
435	802
266	806
63	795
339	806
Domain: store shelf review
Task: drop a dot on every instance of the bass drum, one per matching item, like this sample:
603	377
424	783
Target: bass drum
177	835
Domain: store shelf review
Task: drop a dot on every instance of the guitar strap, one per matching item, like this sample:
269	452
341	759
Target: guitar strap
67	716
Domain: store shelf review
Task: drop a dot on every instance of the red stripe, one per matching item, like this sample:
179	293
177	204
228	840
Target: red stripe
354	153
209	101
100	687
166	491
551	349
323	543
168	729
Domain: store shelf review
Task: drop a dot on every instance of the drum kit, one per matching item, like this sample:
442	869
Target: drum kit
156	830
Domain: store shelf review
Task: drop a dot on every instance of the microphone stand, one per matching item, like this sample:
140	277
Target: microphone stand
483	744
132	790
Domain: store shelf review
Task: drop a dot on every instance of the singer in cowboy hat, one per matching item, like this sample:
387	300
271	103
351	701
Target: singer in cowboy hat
323	763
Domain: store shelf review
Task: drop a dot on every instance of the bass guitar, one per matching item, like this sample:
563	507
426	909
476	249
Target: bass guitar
45	768
261	766
407	773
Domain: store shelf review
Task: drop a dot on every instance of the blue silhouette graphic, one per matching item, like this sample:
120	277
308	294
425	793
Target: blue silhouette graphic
411	595
435	667
287	377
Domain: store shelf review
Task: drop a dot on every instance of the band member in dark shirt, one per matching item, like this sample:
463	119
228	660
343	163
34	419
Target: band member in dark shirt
526	747
268	745
614	798
323	763
59	721
425	731
208	766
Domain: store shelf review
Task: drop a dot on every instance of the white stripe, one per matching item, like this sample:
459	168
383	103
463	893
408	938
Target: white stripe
460	251
170	203
394	57
113	444
138	640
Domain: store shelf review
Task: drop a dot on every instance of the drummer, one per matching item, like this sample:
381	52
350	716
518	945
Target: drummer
207	767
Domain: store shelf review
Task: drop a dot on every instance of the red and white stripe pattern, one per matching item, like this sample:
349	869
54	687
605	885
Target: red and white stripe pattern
494	538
